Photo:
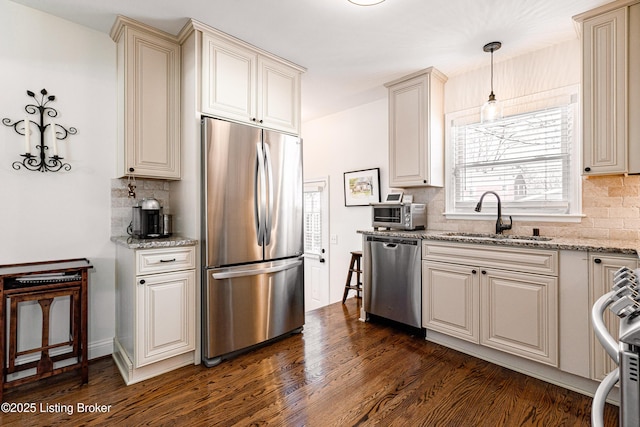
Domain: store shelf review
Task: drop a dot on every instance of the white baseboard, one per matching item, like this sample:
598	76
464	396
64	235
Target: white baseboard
100	348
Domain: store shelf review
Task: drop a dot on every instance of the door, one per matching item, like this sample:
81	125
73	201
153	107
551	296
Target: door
165	319
228	79
283	201
519	314
316	240
231	165
602	268
247	305
450	299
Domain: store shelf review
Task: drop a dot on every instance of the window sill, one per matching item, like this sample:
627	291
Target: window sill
516	217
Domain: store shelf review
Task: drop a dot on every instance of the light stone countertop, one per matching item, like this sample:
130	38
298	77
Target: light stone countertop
164	242
628	247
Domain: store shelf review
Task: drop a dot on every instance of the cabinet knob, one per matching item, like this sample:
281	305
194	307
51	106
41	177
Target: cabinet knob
473	272
484	272
131	169
142	281
587	169
597	260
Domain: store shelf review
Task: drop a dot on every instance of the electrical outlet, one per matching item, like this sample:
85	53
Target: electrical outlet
334	239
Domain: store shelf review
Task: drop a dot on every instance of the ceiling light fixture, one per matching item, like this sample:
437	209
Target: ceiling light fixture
365	2
492	109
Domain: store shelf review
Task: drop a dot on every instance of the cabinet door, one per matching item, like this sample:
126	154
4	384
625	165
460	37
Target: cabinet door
278	96
602	267
604	93
152	100
166	316
408	113
450	299
228	80
519	314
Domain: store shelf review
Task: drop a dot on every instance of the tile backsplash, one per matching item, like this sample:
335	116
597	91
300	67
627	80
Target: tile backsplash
610	205
121	203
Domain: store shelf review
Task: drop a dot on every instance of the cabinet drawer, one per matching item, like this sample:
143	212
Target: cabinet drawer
150	261
526	260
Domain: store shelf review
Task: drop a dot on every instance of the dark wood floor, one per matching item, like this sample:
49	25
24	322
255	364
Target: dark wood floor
338	372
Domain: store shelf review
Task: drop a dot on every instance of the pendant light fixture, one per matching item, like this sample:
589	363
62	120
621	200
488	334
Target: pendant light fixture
492	109
366	2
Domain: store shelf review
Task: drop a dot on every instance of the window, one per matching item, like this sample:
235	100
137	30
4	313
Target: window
312	222
529	157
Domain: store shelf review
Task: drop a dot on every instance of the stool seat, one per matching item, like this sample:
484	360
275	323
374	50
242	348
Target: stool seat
355	266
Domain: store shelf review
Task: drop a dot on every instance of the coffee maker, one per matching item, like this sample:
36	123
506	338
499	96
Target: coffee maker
147	220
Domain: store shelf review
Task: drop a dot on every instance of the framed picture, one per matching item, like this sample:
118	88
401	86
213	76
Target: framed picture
362	187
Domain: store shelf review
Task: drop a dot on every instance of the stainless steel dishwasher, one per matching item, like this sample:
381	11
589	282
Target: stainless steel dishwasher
392	279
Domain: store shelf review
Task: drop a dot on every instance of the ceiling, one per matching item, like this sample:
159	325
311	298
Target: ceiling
351	51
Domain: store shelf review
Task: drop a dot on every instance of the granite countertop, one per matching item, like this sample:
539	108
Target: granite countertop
164	242
629	247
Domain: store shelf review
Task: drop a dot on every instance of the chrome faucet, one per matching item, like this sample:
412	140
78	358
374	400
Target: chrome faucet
500	227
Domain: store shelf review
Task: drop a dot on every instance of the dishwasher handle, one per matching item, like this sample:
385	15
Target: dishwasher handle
390	245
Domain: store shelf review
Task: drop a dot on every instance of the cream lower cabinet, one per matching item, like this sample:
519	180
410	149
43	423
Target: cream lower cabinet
156	311
507	299
602	267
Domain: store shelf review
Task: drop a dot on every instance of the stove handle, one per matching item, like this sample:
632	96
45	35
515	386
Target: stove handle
603	335
600	398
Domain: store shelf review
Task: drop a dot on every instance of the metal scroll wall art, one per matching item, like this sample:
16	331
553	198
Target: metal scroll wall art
46	158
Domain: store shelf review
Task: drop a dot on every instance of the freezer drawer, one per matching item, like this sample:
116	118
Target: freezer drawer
248	305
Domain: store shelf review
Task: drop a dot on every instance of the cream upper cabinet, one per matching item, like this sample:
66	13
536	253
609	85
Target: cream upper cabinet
499	297
240	83
602	267
416	129
611	90
228	79
148	62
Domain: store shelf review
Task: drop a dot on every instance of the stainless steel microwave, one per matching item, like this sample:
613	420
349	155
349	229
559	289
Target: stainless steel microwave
399	216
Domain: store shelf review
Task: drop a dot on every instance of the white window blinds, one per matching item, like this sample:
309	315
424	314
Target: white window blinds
527	158
312	222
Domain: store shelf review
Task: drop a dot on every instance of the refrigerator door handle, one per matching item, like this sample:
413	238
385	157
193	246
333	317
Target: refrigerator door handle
243	272
259	194
269	213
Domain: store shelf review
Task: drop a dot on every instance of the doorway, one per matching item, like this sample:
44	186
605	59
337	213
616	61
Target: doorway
316	243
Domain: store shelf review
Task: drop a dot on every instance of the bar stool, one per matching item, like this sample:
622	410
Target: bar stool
354	267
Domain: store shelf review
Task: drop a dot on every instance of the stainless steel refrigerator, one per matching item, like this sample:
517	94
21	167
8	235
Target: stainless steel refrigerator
253	281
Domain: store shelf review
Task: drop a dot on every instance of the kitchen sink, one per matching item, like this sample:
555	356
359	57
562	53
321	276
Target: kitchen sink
498	236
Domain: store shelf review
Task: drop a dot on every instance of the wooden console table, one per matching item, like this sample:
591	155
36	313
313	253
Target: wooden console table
42	282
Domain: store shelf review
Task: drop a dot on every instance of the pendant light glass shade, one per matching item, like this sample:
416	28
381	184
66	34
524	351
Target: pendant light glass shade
492	109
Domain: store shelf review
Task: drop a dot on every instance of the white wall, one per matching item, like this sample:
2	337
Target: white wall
351	140
47	216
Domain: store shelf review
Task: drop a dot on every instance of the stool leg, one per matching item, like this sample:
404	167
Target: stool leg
358	281
349	275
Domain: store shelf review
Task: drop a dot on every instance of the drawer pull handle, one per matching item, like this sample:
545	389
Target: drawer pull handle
167	260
